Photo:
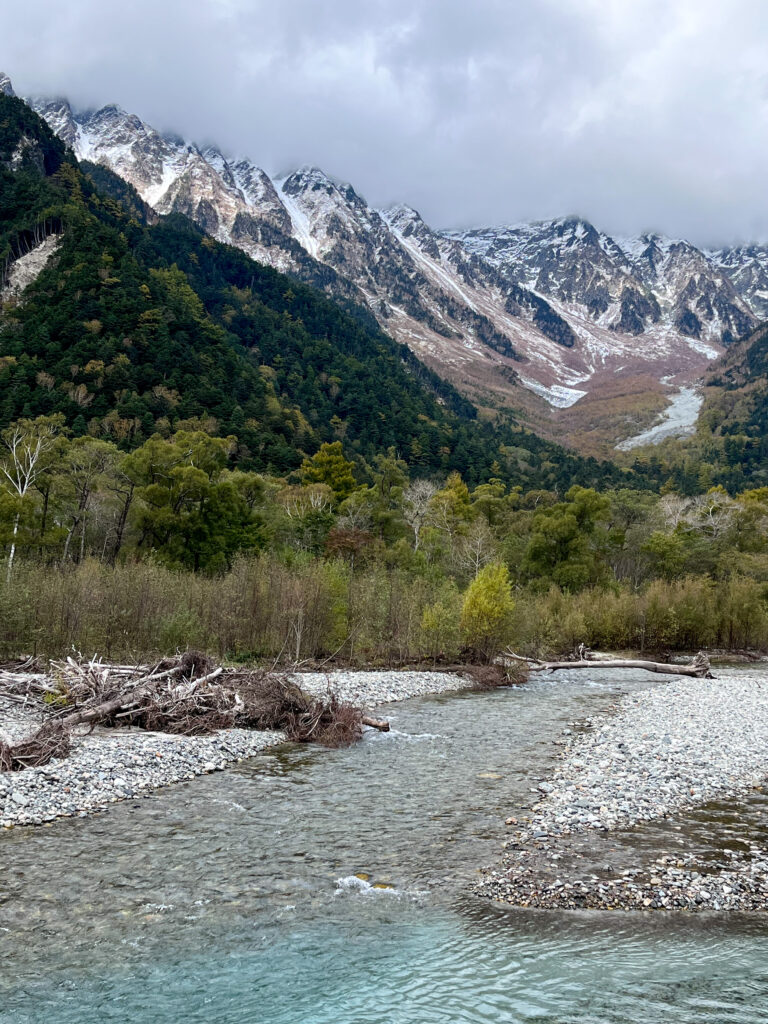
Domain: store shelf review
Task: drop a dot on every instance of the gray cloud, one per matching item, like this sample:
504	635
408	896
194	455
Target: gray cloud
643	115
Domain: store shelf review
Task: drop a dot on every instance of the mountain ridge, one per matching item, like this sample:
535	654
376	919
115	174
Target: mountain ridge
552	310
131	327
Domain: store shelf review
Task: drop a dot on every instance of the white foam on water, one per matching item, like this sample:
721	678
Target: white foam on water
351	883
409	737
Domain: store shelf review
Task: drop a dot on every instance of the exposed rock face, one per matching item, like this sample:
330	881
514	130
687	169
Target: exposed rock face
747	268
634	285
27	268
557	306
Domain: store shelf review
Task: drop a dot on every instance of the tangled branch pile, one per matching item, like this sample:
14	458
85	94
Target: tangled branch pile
187	695
51	740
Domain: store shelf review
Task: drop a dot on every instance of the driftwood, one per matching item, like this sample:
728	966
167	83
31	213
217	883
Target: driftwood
699	667
186	695
375	723
103	712
51	740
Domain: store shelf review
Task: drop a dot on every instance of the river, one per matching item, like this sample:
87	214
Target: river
235	897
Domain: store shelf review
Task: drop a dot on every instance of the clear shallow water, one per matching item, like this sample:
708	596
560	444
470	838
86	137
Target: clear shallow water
234	898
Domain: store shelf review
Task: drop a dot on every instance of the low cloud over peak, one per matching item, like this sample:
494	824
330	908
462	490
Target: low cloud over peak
639	116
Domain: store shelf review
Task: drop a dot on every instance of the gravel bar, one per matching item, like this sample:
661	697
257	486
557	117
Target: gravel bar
109	765
684	743
370	688
680	745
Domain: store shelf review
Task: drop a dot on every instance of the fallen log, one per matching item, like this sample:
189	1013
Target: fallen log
375	723
698	668
102	712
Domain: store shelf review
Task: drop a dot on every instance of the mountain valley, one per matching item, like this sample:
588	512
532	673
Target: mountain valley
581	334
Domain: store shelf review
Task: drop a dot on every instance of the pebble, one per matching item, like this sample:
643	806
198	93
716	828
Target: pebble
111	764
679	745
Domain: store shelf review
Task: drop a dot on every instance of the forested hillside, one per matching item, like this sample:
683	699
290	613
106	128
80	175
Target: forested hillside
735	415
133	328
167	404
730	446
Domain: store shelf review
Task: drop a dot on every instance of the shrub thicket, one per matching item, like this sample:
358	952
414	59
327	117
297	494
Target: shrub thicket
266	609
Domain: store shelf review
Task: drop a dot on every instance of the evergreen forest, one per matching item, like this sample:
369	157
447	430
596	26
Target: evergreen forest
198	451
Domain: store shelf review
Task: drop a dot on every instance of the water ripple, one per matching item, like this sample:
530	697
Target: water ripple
240	898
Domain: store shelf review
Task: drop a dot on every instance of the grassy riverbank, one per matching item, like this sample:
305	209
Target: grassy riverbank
306	609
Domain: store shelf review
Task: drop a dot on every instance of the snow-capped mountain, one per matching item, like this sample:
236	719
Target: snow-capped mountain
747	268
557	306
235	201
629	285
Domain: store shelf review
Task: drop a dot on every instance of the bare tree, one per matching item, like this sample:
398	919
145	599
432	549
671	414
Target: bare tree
673	510
357	511
27	445
712	513
417	500
476	549
298	501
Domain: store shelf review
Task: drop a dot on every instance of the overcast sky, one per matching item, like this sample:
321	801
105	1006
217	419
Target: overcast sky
637	114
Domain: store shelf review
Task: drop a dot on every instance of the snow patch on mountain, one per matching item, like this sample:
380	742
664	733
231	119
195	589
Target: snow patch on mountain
556	306
677	420
300	221
557	395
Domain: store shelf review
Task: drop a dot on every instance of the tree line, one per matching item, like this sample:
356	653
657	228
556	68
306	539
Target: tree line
466	569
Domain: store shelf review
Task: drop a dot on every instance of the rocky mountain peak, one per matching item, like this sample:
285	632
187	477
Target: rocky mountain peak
58	114
6	85
113	125
316	188
219	163
311	179
328	215
409	224
402	216
574	230
557	305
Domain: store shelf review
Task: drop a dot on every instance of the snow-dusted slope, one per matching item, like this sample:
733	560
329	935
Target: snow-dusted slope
557	306
630	285
747	268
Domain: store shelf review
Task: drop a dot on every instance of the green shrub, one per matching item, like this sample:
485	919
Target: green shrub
486	614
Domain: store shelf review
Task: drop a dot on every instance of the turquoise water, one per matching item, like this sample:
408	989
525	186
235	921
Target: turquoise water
235	897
